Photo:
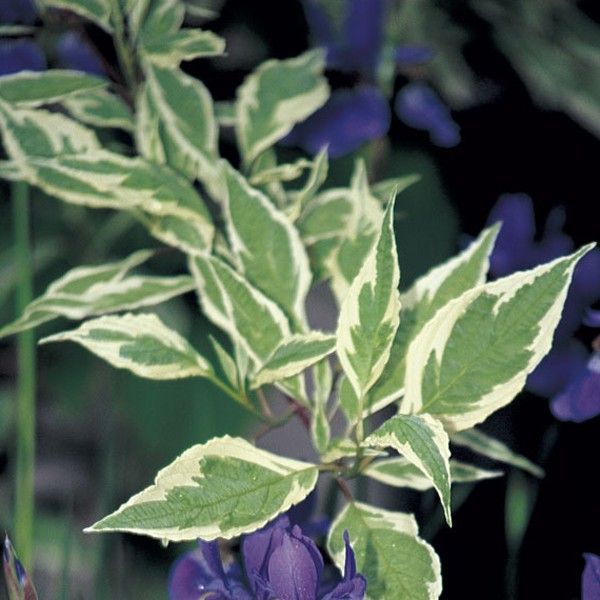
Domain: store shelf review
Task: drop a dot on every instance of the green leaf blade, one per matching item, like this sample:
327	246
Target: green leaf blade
370	314
422	440
275	97
139	343
295	354
223	488
267	246
396	562
32	88
474	356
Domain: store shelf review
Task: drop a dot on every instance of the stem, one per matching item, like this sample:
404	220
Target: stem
239	398
124	53
25	462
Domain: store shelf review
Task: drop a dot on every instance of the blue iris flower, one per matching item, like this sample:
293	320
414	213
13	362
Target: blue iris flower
25	54
361	113
569	375
279	562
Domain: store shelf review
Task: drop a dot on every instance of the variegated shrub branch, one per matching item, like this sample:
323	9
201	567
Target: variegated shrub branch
446	353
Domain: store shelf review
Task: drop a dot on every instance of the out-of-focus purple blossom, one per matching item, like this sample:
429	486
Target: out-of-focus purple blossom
590	579
580	400
18	11
357	47
353	117
73	52
412	55
567	375
20	55
279	561
349	119
418	106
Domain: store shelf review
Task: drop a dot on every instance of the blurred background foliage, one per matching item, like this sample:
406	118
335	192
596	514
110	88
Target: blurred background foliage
522	81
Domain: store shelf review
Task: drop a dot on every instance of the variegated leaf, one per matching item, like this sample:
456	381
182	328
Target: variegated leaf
276	96
267	247
157	18
168	51
474	355
361	228
39	133
97	11
316	178
370	314
388	187
223	488
320	430
176	125
402	473
91	291
167	204
420	303
141	343
263	175
422	440
238	308
227	364
293	355
481	443
33	88
395	561
100	108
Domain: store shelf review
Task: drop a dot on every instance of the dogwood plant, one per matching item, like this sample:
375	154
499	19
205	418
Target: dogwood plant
445	353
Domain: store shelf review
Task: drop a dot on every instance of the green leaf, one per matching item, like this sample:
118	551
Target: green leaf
276	96
90	291
36	132
227	363
223	488
388	187
100	108
165	202
293	355
474	355
316	178
424	298
176	125
158	18
370	314
238	308
319	426
97	11
422	440
277	173
267	247
481	443
32	88
168	51
402	473
395	561
360	221
142	344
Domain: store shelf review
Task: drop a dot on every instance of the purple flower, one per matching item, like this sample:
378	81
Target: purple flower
567	375
74	52
18	11
590	579
352	117
20	55
349	119
279	562
580	400
418	106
